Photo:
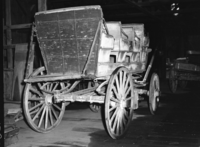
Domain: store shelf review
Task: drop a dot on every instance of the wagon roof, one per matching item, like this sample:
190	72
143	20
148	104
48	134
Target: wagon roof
69	9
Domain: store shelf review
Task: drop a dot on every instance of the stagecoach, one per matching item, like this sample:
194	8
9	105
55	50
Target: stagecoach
77	45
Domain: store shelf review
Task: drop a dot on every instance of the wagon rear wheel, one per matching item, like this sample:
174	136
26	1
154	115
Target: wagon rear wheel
41	113
173	82
119	103
154	93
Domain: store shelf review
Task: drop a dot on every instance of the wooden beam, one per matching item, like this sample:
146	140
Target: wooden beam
8	34
8	21
42	5
10	46
20	26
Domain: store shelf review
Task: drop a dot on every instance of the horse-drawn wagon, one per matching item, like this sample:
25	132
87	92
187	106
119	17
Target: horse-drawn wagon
78	45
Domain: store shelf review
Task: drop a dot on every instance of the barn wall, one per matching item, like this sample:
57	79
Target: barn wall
17	14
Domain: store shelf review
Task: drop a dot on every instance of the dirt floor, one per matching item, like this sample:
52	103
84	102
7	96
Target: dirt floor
177	124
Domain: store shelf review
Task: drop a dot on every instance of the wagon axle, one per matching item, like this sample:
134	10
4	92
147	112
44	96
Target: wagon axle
48	99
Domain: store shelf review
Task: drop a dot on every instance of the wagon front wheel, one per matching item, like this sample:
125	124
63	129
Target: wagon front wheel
119	103
154	93
40	111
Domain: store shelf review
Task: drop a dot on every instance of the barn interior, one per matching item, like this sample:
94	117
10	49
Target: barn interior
172	26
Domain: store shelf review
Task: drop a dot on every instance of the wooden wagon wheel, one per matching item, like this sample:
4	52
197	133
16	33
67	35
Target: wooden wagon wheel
173	82
41	113
154	93
119	103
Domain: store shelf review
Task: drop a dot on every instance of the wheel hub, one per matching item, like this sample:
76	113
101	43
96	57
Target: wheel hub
157	99
122	104
156	93
48	99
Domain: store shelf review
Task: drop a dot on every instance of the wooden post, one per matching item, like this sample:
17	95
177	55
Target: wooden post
42	5
9	34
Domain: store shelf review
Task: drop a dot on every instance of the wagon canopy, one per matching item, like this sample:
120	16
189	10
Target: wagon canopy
66	36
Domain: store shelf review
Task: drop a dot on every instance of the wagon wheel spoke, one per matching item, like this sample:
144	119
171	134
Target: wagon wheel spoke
57	107
36	106
35	91
126	82
36	99
40	111
54	112
115	123
118	126
127	91
46	118
33	97
117	83
121	81
41	118
115	100
125	116
113	120
114	115
112	108
116	93
55	86
50	116
118	104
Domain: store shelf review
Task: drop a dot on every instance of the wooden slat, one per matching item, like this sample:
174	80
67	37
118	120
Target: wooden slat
7	69
8	33
11	46
8	21
19	26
